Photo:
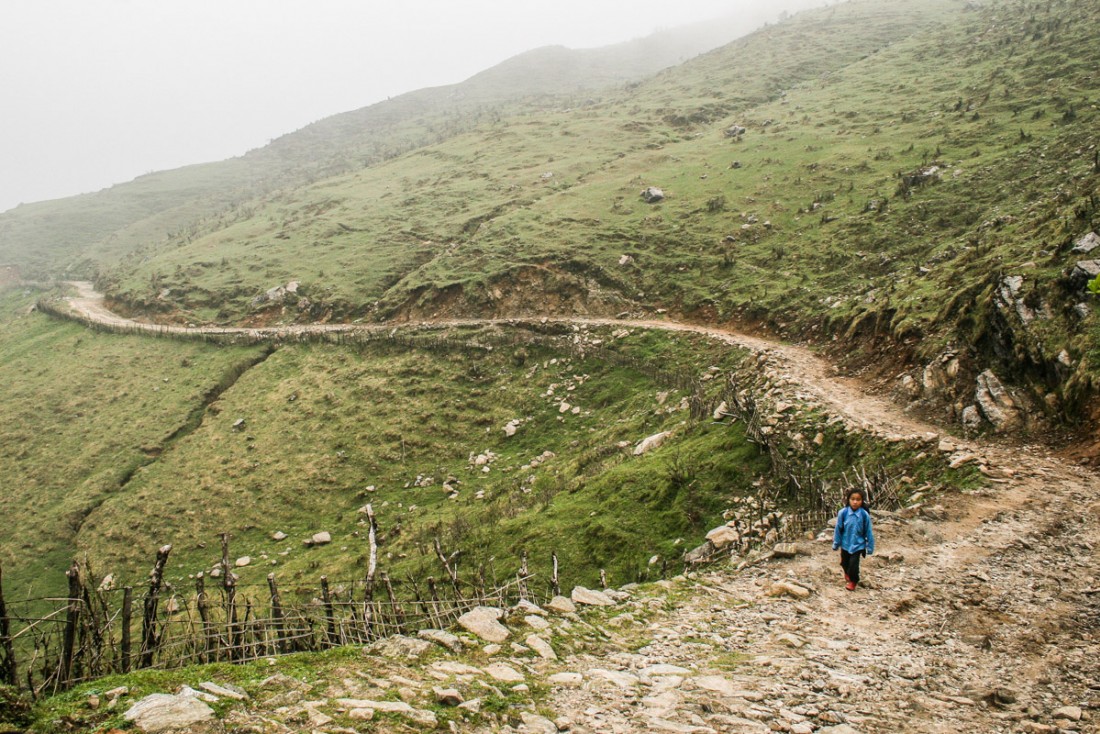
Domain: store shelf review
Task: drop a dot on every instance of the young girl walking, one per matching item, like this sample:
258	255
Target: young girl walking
853	536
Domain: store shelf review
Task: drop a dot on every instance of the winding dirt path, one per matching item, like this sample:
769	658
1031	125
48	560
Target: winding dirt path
811	373
981	612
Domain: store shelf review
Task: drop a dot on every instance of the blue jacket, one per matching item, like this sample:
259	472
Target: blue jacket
853	531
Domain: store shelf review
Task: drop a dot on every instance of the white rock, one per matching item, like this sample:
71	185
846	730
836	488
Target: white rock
621	679
651	442
723	536
482	621
561	605
537	724
533	620
504	673
223	691
161	712
569	680
321	538
441	637
278	535
581	595
243	561
542	647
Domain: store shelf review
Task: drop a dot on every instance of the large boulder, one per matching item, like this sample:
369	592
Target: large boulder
1083	272
581	595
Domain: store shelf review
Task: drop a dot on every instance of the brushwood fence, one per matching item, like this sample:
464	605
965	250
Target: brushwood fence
96	631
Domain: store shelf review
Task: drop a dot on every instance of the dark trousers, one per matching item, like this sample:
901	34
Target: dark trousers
850	563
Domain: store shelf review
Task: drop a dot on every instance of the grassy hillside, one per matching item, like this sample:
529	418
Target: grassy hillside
80	422
898	161
75	236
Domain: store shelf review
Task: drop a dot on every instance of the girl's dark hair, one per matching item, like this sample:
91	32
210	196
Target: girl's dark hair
855	490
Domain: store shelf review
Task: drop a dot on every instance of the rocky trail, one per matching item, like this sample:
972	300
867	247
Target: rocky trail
980	613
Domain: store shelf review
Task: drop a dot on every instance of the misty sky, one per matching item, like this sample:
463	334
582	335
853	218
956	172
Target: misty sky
96	92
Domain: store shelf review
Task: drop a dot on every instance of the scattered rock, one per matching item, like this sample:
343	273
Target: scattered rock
542	647
651	442
161	712
225	691
447	696
243	561
278	535
1086	243
568	680
561	605
482	621
1070	713
400	647
581	595
789	588
652	195
322	538
504	673
723	536
537	724
442	638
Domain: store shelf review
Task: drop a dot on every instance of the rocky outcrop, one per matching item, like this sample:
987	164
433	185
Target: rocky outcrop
995	403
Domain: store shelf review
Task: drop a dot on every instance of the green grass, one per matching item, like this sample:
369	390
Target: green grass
814	235
83	414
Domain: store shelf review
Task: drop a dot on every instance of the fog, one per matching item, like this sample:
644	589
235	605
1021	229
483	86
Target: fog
96	92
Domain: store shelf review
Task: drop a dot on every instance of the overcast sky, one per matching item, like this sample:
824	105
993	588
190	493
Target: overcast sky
96	92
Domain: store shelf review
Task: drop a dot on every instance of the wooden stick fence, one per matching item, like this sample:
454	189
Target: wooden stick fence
89	633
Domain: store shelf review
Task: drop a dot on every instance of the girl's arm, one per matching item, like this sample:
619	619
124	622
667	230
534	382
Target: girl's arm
838	528
870	537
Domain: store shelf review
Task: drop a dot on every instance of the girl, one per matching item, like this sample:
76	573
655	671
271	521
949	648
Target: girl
853	536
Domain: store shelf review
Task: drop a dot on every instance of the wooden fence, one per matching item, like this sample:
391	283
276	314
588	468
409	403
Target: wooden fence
93	631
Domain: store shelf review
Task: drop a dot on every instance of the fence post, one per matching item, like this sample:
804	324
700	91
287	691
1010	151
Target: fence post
7	650
149	617
372	568
203	606
229	583
435	602
398	615
523	577
277	614
330	616
72	617
554	583
127	621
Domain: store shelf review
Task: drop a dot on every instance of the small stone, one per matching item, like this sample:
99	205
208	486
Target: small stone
1070	713
224	691
561	605
790	640
473	705
93	701
568	680
537	724
504	673
537	622
442	638
788	588
322	538
542	647
243	561
361	714
447	696
785	550
278	535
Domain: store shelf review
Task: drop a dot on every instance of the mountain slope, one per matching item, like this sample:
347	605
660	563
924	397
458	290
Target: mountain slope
76	235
